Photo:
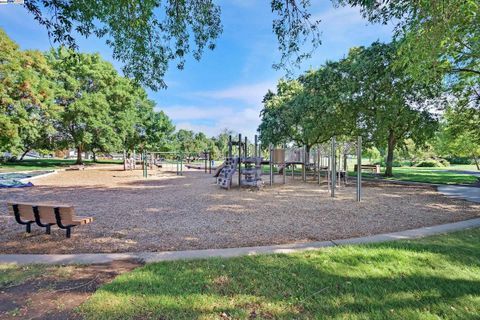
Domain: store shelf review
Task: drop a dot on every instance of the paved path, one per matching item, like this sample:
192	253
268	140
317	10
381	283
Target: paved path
461	192
231	252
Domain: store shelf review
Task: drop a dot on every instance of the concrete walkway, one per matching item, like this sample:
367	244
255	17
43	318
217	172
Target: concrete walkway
460	192
88	258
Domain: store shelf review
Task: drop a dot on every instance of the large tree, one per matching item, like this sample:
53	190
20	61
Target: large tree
308	111
438	39
185	141
26	99
362	94
83	82
390	105
460	133
147	35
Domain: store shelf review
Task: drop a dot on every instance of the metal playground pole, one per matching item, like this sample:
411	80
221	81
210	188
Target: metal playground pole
209	163
333	177
270	149
359	168
304	169
239	159
319	167
284	165
205	159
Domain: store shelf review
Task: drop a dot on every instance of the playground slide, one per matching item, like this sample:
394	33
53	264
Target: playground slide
218	170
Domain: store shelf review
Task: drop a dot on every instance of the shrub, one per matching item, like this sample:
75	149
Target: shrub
396	163
459	160
430	163
444	162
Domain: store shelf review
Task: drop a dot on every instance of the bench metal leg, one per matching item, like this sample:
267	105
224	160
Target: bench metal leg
36	213
61	225
27	223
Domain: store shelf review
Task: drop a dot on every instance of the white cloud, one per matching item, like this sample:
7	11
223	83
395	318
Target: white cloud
343	28
251	94
342	17
242	116
208	130
181	113
244	121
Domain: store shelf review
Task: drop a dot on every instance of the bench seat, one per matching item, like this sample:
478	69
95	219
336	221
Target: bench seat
47	215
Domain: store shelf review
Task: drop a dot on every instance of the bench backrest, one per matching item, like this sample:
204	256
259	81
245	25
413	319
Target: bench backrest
25	210
46	212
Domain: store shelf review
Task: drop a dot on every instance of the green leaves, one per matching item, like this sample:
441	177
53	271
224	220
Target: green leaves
362	94
26	99
438	40
147	36
64	99
295	29
144	35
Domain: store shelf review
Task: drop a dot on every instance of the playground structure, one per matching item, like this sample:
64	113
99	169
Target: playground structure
328	160
248	175
172	161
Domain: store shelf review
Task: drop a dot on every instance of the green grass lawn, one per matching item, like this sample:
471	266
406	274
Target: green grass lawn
431	175
432	278
42	164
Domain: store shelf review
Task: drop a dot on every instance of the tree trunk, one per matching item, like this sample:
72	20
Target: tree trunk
307	153
94	156
24	154
79	155
475	159
391	148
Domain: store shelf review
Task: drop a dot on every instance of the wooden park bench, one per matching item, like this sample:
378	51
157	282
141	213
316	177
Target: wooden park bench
375	168
46	216
75	167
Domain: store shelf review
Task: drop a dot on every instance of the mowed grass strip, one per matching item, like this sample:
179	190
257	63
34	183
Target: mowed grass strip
43	164
433	175
431	278
445	175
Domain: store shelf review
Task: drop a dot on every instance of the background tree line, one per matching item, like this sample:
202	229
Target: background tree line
62	99
367	94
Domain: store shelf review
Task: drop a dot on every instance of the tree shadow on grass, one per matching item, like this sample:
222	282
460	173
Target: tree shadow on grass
371	282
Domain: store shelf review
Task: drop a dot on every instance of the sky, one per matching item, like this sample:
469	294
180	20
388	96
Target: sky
225	88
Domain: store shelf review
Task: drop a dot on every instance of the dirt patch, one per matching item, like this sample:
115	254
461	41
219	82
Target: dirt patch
169	212
58	291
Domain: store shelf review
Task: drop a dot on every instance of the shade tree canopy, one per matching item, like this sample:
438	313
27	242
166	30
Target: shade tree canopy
438	40
459	134
27	110
147	36
362	94
62	99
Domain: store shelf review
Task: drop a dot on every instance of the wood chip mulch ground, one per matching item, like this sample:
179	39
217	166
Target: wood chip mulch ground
169	212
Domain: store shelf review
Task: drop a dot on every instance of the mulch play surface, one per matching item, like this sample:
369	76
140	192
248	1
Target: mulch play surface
169	212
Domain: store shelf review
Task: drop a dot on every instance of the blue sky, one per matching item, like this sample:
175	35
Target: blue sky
225	88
